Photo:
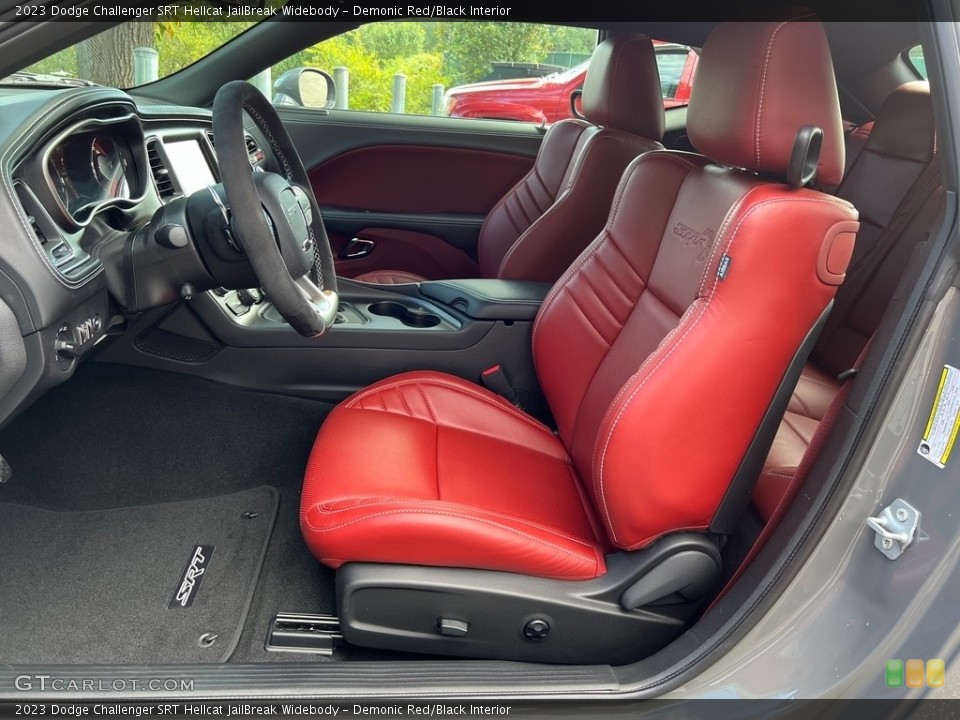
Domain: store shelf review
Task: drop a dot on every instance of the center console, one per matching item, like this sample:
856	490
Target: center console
463	327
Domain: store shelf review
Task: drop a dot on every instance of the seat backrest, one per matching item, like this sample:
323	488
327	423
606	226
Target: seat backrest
895	184
540	226
661	348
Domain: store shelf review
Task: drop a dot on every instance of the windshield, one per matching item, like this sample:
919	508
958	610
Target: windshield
133	53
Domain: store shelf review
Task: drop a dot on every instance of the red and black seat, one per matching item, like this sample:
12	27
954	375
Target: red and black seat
457	521
895	184
540	226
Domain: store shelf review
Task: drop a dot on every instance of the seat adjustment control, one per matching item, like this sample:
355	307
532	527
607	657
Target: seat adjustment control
536	629
453	628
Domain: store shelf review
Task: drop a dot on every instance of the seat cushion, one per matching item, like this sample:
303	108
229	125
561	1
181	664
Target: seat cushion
429	469
789	446
814	392
390	277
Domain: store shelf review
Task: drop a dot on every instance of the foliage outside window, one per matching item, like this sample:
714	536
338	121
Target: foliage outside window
431	53
107	58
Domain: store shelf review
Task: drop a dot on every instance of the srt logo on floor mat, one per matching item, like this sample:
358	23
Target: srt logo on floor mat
191	577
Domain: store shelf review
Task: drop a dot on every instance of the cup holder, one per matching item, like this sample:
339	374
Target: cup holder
411	317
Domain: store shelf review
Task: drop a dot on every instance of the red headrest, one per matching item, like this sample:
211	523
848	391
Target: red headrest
622	87
757	84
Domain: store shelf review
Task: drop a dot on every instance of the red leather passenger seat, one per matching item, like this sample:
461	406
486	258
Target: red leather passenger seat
540	226
658	350
895	184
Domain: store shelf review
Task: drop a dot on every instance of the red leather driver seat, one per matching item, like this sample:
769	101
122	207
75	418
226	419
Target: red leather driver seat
543	222
659	351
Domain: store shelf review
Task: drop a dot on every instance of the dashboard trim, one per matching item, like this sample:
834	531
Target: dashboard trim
86	124
15	149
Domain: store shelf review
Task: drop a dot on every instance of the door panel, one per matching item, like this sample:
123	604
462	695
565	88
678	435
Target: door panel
413	189
417	179
412	251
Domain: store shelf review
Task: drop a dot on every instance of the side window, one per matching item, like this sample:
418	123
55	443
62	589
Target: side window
671	65
510	71
677	65
915	58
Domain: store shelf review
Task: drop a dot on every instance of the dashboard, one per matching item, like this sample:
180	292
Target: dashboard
90	168
83	172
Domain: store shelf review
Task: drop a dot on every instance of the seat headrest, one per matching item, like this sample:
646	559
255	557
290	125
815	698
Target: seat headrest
904	127
622	87
757	84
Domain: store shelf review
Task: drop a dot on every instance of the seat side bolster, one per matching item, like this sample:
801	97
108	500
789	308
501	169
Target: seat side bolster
559	235
533	194
471	537
714	375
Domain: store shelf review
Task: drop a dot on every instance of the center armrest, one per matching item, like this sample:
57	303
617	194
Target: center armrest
489	299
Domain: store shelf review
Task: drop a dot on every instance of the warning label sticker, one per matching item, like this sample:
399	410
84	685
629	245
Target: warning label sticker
940	434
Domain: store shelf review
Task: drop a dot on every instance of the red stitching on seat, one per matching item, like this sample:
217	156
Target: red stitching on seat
515	531
510	410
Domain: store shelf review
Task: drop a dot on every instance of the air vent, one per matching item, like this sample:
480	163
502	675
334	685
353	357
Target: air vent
209	134
31	205
161	175
253	150
36	230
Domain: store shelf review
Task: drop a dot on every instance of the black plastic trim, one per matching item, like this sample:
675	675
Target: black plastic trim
403	607
738	493
488	299
409	679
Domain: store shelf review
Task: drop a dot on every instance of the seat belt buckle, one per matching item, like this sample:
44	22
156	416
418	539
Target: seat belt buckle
496	380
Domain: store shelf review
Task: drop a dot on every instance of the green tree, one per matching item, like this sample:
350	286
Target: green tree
393	40
182	43
471	47
369	85
423	71
373	54
107	58
448	53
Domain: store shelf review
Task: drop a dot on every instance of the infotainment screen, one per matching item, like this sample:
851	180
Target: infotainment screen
189	165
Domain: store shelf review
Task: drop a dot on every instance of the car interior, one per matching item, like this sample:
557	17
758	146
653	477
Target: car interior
391	401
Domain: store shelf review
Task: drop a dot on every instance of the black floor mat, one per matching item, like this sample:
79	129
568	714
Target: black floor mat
108	586
117	436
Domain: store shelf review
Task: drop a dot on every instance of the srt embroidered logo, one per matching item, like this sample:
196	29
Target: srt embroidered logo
702	241
191	577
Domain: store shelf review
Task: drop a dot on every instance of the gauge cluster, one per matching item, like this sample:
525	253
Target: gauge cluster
90	165
90	168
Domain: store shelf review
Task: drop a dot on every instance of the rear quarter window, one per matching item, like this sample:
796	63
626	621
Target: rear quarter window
916	59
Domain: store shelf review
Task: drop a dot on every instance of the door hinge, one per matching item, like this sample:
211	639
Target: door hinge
895	526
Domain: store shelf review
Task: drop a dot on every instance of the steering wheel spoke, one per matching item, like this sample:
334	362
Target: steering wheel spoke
274	216
326	302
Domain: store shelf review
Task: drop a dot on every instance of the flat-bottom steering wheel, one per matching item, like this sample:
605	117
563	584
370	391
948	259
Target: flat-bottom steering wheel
274	217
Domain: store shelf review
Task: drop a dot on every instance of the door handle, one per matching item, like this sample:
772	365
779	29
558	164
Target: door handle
356	248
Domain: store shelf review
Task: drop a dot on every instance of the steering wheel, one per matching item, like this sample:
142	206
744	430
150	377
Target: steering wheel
274	217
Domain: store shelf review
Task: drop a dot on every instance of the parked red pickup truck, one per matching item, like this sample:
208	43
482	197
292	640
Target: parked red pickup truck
548	99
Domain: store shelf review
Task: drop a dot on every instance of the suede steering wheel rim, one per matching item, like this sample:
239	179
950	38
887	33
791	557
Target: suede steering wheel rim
288	247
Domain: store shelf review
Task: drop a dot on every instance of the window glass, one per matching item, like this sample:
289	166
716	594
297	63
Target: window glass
434	67
135	53
670	65
508	71
915	56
